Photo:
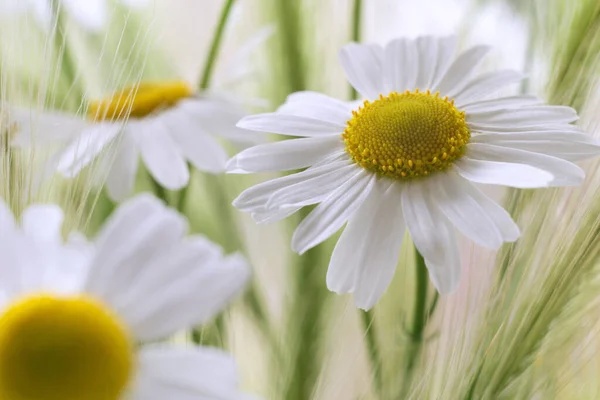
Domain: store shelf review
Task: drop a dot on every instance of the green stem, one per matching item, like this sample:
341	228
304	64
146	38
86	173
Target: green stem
368	319
215	45
356	34
419	320
289	29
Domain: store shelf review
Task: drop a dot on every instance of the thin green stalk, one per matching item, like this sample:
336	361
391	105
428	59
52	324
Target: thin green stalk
356	34
289	15
215	46
419	319
368	319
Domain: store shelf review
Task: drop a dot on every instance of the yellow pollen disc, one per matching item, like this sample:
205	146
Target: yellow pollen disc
138	101
68	348
406	135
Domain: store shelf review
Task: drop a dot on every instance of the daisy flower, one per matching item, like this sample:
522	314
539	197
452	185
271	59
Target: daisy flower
167	124
91	14
408	157
76	318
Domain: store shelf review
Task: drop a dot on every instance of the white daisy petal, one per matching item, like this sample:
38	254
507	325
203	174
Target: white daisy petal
565	173
135	233
463	211
292	125
43	222
270	216
527	116
400	68
186	373
501	218
569	146
433	236
427	49
446	48
329	216
311	191
7	220
283	155
160	154
42	128
121	177
83	150
190	284
363	67
487	85
499	104
501	173
317	106
461	71
204	152
365	257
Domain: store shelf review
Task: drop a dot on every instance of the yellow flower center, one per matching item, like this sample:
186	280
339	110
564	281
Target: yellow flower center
68	348
406	135
138	101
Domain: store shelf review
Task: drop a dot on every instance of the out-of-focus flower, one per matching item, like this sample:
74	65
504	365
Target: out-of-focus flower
91	14
407	157
75	315
166	123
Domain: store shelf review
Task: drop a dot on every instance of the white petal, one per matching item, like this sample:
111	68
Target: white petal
218	117
487	85
502	173
160	154
7	219
501	218
400	65
138	231
42	128
188	284
312	190
363	67
433	237
284	155
92	14
427	49
565	173
84	149
329	216
527	116
445	52
569	146
121	177
463	211
317	106
270	216
500	104
292	125
204	152
43	222
365	257
461	71
184	373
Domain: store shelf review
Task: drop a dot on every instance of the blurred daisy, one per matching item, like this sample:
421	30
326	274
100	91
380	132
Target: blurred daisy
91	14
74	316
165	123
408	157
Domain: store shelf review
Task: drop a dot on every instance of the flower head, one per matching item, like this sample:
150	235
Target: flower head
74	315
407	157
166	123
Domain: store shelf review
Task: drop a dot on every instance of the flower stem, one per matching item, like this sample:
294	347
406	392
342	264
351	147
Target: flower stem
420	315
215	45
289	16
356	34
